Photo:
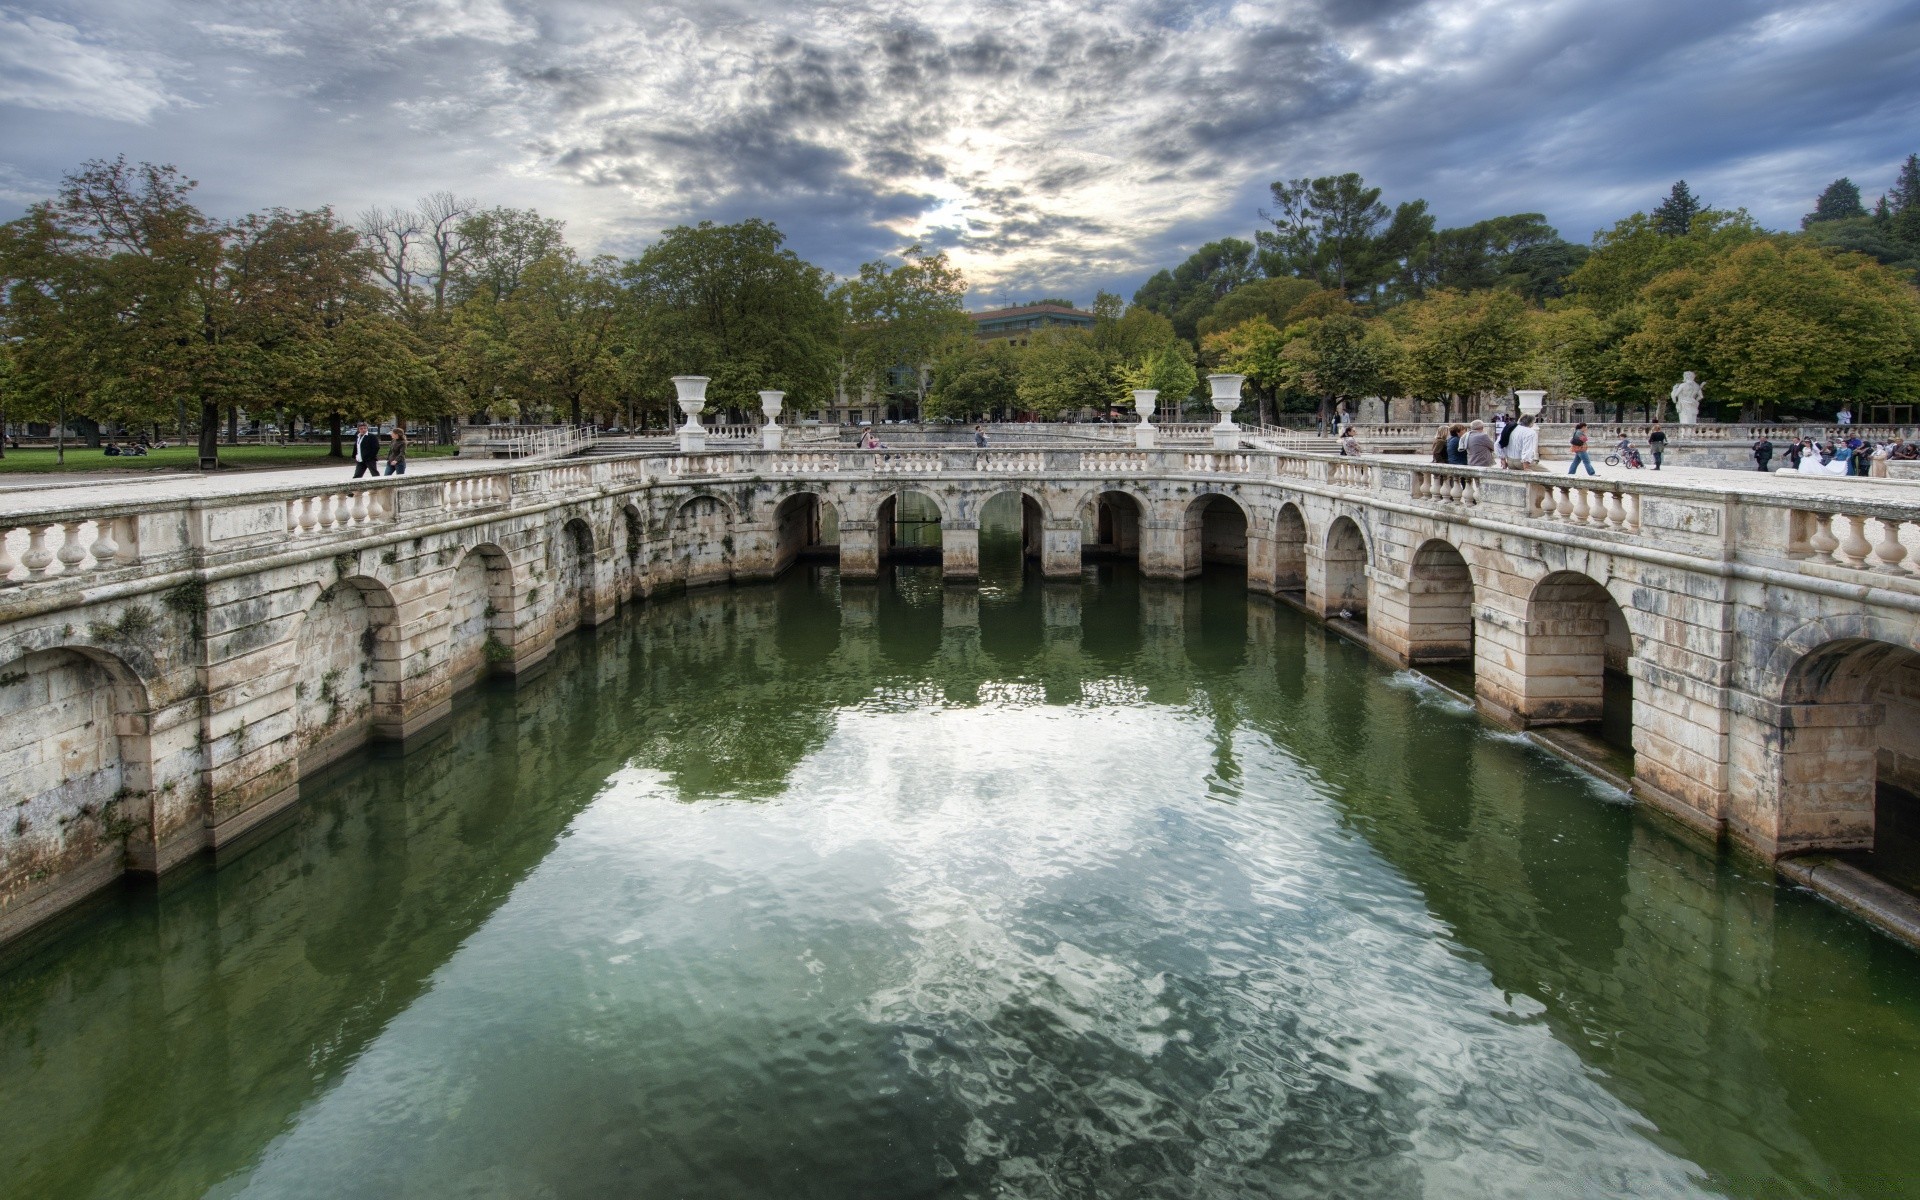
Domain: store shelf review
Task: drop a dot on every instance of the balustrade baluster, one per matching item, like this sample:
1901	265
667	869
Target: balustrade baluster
1889	550
128	534
7	561
1578	504
38	557
360	501
104	548
1616	511
72	551
1821	540
1854	545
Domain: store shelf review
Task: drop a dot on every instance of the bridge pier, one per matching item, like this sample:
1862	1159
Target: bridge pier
959	550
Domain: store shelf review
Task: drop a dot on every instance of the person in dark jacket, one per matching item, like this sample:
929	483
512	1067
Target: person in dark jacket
366	451
1456	445
1657	440
1763	453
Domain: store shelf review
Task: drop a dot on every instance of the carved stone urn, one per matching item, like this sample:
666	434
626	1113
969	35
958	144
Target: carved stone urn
1144	435
692	401
771	433
1226	398
1531	402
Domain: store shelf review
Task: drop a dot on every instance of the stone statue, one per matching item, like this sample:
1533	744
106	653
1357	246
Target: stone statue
1686	396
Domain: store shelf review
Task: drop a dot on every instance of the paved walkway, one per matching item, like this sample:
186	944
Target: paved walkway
21	495
27	493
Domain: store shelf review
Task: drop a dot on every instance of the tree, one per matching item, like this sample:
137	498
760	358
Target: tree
1486	254
1133	334
1779	322
1674	217
1188	292
1840	202
1337	358
1335	231
563	322
1061	373
1567	355
730	302
1253	348
1047	300
1899	209
976	379
1271	299
1169	372
903	316
1635	252
1459	344
488	252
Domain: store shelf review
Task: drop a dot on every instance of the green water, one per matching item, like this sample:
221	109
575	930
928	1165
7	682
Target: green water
902	890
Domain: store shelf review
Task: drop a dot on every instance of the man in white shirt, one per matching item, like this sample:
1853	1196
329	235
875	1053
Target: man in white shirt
1523	448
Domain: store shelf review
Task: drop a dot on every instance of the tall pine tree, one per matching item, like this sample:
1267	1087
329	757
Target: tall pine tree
1675	214
1900	207
1840	202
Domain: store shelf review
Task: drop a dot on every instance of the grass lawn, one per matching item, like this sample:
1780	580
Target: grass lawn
187	458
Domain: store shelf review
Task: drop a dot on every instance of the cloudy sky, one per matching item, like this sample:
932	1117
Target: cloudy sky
1052	145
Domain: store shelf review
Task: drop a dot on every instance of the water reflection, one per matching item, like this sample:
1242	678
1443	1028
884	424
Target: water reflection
901	888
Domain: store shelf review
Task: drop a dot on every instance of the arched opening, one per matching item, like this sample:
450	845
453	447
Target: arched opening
346	679
1110	526
907	527
479	615
1012	534
573	602
631	538
1346	563
1289	550
804	526
1439	606
83	775
703	542
1216	533
1578	647
1850	753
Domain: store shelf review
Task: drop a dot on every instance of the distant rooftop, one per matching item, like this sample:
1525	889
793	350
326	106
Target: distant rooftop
1024	318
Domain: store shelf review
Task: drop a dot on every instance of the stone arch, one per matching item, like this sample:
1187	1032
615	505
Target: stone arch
1112	523
908	525
1344	558
703	540
1289	549
1216	531
84	775
1032	520
630	540
805	524
575	554
1848	738
1439	604
479	614
347	669
1578	646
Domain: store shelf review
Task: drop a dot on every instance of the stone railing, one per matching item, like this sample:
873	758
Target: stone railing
1873	536
1601	505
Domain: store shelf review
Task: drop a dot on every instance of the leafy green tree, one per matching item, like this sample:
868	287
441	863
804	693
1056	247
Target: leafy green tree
1335	231
1047	300
498	245
1864	235
1840	202
1777	322
1674	216
976	379
1188	292
1270	299
903	316
1460	344
1635	252
1253	348
1520	252
733	303
1567	354
1899	209
563	321
1060	373
1168	371
1338	358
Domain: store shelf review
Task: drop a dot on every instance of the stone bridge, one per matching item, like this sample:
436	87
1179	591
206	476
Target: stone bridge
170	670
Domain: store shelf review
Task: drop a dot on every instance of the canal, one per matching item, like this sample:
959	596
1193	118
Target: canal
1087	889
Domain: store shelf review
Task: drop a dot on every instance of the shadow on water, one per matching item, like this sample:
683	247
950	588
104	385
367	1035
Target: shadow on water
170	1038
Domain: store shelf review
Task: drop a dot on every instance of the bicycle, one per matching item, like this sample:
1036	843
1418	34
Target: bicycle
1631	458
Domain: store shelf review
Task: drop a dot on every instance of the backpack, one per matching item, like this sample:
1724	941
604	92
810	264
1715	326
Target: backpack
1579	440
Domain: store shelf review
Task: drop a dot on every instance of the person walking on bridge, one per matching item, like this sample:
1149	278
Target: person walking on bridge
1763	453
1579	447
366	451
1657	439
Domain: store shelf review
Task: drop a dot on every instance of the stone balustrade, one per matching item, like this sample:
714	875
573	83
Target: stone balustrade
339	511
55	549
1879	541
1601	505
1446	487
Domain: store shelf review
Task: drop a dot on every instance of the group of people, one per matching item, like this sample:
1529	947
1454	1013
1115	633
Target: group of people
133	449
1505	442
1836	456
366	451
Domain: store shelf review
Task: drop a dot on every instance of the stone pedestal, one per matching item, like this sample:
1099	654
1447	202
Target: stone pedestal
692	400
1226	398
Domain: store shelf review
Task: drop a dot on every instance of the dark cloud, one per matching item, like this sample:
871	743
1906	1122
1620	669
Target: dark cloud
1051	145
